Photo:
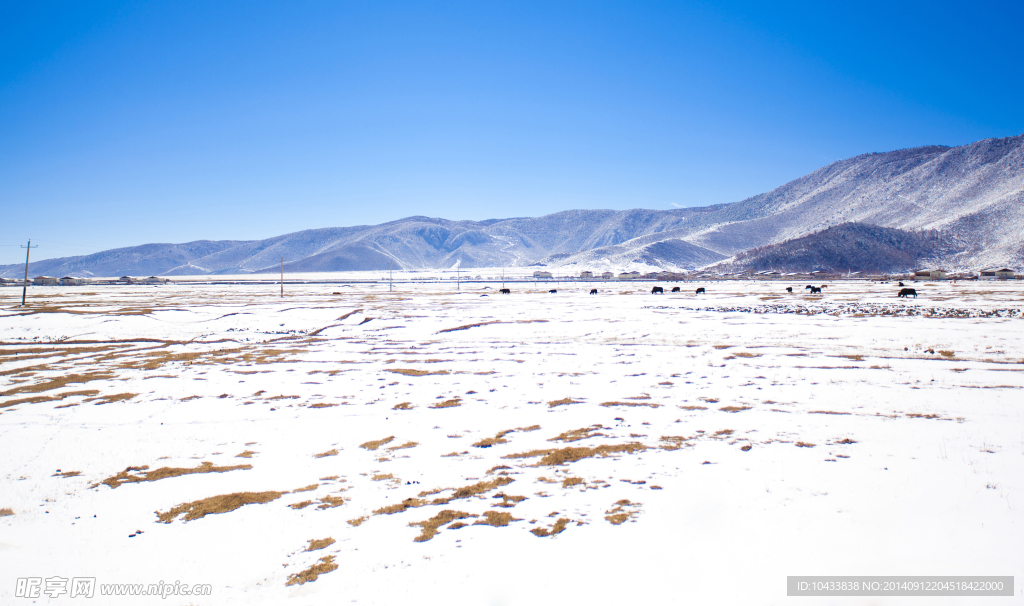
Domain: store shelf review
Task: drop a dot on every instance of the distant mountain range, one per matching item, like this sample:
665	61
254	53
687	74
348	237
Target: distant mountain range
971	196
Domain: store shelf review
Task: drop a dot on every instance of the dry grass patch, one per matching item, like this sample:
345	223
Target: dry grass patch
6	511
827	412
735	408
322	405
575	435
431	527
330	453
649	404
468	326
499	438
563	456
325	565
118	397
746	354
219	504
497	518
846	441
380	477
691	407
127	477
570	482
315	544
406	445
447	404
854	357
563	402
375	444
57	383
409	372
709	400
805	445
358	521
301	504
676	442
403	406
330	502
556	528
245	455
66	474
618	514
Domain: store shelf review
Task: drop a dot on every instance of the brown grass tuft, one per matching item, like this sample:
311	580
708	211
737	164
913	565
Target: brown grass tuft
570	455
805	445
66	474
570	482
315	544
358	521
330	453
325	565
409	372
650	404
406	445
499	438
497	518
126	477
693	407
321	405
447	404
578	434
558	527
375	444
562	402
330	502
403	406
735	408
400	507
846	441
6	511
245	455
432	526
220	504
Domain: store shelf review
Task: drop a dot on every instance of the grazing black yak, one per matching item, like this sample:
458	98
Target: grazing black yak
789	289
815	290
657	290
553	291
593	291
808	286
700	290
675	289
505	291
904	292
901	283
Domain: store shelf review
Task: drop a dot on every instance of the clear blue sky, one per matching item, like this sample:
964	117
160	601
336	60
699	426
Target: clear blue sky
123	123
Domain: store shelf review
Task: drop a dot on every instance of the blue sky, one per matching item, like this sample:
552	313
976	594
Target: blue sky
135	122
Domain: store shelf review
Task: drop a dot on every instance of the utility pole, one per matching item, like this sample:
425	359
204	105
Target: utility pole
391	286
24	285
458	276
282	277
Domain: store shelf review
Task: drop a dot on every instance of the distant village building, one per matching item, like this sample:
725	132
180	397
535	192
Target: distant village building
154	280
8	282
586	275
72	281
997	274
629	275
44	281
930	274
542	275
607	275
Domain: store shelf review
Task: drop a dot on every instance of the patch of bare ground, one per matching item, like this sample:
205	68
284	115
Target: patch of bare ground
650	404
468	326
330	502
245	455
403	406
66	474
805	445
556	528
735	408
330	453
575	435
563	402
917	415
691	407
219	504
570	482
497	518
380	477
854	357
709	400
322	405
402	446
358	521
562	456
499	438
309	488
467	491
826	412
410	372
6	511
315	544
301	504
746	354
57	383
619	513
132	474
406	504
375	444
447	404
432	526
118	397
846	441
676	442
508	500
325	565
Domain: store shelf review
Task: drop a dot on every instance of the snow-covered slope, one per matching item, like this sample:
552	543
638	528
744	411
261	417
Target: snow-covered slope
973	193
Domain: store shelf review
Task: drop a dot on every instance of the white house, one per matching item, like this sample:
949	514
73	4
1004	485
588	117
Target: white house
72	281
607	275
45	281
930	274
586	275
996	274
542	275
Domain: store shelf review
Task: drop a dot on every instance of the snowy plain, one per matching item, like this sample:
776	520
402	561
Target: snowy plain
621	447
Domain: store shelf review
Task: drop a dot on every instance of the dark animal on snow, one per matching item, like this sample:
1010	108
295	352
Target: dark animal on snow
901	284
824	286
505	291
593	291
675	289
815	290
657	290
904	292
808	286
553	291
700	290
789	289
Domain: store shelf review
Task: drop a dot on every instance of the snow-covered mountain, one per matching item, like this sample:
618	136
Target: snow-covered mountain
974	194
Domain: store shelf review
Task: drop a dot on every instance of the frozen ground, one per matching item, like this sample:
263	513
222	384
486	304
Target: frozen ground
689	449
